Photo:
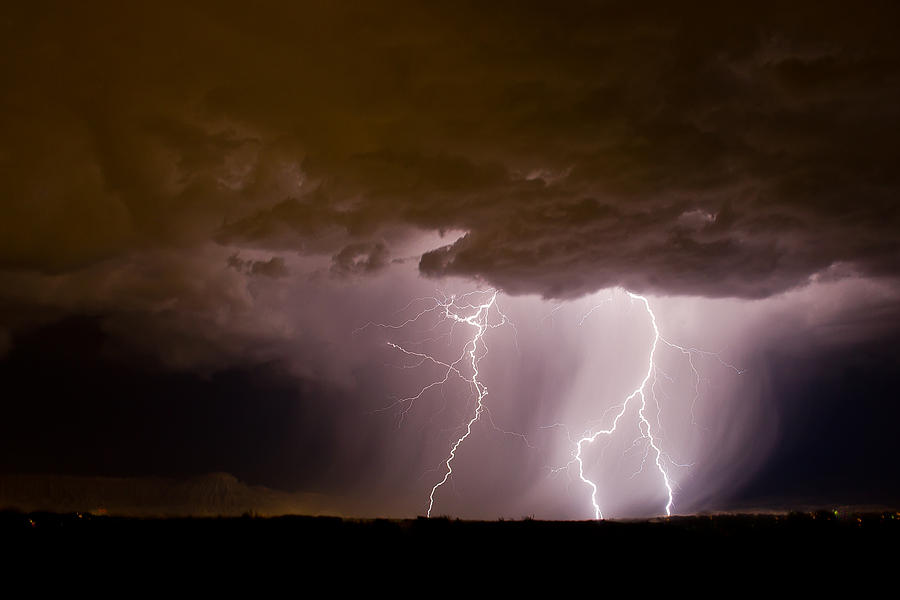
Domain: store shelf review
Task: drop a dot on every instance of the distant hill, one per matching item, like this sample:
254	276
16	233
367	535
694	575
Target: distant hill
215	494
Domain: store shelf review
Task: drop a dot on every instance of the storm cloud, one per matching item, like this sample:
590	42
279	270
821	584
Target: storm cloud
719	151
216	188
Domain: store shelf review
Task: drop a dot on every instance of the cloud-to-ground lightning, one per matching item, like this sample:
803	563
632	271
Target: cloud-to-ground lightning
644	424
479	312
466	310
644	389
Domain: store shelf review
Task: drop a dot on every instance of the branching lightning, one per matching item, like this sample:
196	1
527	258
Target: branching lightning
479	312
465	311
644	424
645	388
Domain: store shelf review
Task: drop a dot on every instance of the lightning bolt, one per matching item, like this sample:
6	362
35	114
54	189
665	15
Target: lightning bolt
644	424
479	311
457	310
479	320
645	387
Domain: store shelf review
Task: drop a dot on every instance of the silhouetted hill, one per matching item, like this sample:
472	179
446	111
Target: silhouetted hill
215	494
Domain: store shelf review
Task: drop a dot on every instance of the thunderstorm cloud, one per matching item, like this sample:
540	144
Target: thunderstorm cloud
720	151
201	186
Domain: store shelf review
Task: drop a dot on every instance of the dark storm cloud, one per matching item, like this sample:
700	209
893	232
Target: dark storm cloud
274	267
225	192
680	149
360	258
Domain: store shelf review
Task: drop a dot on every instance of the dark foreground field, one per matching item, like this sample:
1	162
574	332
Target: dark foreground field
824	540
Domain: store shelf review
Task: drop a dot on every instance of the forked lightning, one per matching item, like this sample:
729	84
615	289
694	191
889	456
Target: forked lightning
457	310
476	310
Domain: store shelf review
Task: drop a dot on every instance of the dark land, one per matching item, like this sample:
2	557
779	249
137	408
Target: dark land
824	539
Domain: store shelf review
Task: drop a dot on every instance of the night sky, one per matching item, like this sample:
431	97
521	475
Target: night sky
202	205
